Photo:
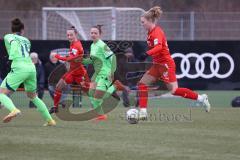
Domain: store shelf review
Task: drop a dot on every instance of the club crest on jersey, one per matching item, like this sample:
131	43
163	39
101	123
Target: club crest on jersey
155	42
165	74
74	51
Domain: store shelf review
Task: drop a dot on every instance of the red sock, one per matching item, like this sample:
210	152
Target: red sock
142	95
186	93
57	97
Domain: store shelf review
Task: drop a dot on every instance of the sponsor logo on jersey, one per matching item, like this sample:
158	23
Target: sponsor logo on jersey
155	42
74	51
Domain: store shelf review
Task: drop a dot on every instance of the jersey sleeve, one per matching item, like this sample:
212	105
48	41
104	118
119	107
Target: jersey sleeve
8	38
111	58
107	51
157	42
66	58
29	45
87	61
77	53
11	45
113	64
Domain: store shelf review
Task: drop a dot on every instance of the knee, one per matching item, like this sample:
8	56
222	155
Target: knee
61	85
58	87
31	95
141	85
5	91
173	90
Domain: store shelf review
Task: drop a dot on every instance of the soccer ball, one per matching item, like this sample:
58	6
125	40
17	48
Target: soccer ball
132	116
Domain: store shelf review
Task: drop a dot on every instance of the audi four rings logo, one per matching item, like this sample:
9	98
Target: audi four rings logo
200	65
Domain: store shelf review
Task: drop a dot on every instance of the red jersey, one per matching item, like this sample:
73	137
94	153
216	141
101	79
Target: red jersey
158	47
75	52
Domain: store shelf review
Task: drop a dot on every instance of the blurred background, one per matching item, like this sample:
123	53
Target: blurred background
182	20
191	26
203	38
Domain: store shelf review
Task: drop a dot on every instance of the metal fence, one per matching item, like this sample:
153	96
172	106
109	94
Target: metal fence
177	25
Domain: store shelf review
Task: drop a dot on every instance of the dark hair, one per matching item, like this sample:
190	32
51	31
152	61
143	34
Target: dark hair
153	14
17	25
99	27
74	29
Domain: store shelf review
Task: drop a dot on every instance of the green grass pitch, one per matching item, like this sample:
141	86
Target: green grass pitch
194	135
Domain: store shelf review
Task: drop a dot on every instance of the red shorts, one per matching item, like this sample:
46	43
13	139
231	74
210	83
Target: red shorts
70	78
165	72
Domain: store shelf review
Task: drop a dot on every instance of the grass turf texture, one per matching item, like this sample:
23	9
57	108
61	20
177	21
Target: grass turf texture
212	136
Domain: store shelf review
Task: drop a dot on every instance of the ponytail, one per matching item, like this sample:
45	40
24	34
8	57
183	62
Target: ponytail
99	27
153	14
74	29
17	25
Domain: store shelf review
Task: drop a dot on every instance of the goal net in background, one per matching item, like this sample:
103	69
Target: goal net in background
124	24
118	23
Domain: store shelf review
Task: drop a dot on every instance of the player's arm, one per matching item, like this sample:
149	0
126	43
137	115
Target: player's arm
157	45
69	58
75	57
13	46
87	61
111	57
107	51
114	64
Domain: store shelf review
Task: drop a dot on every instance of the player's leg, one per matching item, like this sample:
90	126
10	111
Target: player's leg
30	88
183	92
189	94
57	95
119	86
97	102
42	108
7	103
96	93
172	86
62	83
85	82
99	91
146	80
8	86
108	87
58	91
125	90
5	100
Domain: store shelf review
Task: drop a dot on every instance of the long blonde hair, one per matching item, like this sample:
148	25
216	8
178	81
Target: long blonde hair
153	14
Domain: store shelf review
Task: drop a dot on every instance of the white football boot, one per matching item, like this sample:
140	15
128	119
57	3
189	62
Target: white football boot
205	102
143	114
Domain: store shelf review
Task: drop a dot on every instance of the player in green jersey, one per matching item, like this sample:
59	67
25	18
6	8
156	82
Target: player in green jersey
104	64
22	71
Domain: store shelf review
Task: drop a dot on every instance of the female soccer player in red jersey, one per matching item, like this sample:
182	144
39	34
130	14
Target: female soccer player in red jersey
163	67
77	73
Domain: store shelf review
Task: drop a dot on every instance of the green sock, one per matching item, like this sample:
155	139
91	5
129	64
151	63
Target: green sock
7	102
41	107
97	105
109	91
